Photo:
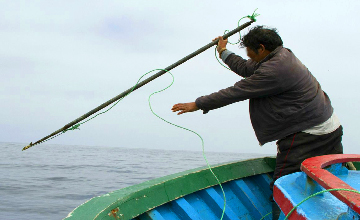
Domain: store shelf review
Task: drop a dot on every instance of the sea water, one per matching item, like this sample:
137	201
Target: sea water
49	181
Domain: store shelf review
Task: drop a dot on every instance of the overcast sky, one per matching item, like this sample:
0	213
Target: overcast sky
60	59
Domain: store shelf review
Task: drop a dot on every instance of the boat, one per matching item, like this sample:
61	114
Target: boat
196	194
325	188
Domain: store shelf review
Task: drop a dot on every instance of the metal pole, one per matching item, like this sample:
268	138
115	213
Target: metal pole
142	83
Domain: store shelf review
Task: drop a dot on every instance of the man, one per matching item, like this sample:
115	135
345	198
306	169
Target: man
287	103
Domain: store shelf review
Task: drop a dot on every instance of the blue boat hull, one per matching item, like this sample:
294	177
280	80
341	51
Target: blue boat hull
192	194
247	198
195	194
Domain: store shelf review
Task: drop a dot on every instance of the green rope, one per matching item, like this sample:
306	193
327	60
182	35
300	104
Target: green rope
265	215
315	194
72	128
76	127
202	140
219	60
132	89
307	198
253	18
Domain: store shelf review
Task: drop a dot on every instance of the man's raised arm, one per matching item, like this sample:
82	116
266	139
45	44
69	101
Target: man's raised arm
237	64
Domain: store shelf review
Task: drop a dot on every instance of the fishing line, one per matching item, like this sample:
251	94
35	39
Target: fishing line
265	215
202	140
77	126
149	100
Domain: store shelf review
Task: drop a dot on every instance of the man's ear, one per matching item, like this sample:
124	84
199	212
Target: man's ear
261	49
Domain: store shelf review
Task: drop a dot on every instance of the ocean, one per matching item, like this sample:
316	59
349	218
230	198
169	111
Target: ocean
46	182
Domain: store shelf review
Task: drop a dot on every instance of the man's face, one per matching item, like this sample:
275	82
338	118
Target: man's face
252	55
259	56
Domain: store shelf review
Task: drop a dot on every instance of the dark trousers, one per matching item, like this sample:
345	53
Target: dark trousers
295	148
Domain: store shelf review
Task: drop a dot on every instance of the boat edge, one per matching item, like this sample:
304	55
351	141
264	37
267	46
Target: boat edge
145	196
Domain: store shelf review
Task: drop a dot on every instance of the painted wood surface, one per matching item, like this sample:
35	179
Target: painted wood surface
131	202
326	172
246	198
313	167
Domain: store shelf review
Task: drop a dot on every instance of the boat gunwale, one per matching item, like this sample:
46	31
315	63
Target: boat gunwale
132	201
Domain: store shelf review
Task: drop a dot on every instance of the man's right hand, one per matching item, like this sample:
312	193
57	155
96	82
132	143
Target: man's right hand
221	44
185	107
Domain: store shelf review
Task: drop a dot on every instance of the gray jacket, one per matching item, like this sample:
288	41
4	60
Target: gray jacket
285	97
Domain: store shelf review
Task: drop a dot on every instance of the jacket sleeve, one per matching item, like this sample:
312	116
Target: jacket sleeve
240	66
257	85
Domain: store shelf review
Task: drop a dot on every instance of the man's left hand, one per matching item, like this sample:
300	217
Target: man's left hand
185	107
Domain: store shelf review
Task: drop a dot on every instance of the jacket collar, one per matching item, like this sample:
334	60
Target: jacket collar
269	56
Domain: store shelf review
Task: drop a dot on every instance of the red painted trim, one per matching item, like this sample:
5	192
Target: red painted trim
286	205
313	168
286	157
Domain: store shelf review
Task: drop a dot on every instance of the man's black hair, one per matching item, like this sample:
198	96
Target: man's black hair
260	35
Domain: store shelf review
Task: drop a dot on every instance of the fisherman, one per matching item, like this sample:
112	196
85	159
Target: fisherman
287	103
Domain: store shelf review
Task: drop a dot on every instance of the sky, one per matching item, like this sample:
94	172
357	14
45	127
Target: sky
60	59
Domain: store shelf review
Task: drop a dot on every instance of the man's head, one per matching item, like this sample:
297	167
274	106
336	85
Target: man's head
260	41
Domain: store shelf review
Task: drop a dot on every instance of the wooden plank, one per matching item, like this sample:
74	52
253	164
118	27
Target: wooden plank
248	198
234	202
183	209
152	215
201	207
216	203
286	205
167	213
260	192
